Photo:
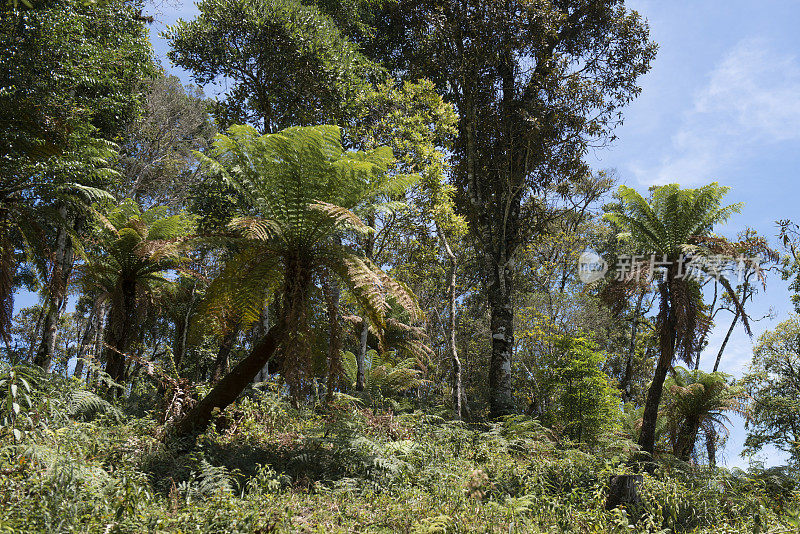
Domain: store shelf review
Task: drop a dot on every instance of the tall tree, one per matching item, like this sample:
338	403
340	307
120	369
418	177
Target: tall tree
69	84
674	227
300	189
284	63
35	207
773	383
535	85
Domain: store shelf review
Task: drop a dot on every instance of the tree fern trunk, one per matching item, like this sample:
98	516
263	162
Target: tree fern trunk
223	355
263	327
711	445
667	337
687	436
231	385
120	331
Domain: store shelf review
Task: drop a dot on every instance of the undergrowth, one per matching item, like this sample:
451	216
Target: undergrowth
84	465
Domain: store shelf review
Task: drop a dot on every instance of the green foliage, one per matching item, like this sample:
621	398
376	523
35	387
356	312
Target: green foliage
674	226
385	378
84	405
17	385
286	62
671	217
581	403
69	78
128	269
300	189
773	383
696	400
277	468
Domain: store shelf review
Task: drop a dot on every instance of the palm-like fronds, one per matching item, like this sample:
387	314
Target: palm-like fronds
384	377
676	225
302	191
666	226
135	249
672	216
694	400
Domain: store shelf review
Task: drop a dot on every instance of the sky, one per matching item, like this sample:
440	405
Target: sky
721	103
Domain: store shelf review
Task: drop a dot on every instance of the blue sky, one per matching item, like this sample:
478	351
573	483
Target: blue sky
722	103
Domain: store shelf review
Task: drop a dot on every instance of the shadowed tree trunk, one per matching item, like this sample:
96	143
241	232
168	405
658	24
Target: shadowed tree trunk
120	331
667	337
231	385
93	325
361	357
182	331
223	355
362	354
711	445
501	399
262	328
687	436
331	293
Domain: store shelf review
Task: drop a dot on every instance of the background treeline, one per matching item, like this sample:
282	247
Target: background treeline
381	214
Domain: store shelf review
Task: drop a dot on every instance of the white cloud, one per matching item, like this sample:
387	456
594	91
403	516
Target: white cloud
752	99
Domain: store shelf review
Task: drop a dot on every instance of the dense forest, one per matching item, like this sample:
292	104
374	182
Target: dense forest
373	283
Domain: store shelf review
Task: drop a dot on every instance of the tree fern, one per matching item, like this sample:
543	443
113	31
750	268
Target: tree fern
302	191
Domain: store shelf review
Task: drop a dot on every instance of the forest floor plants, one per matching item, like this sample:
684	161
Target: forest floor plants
267	467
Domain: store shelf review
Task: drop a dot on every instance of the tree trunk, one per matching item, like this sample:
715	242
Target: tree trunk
625	386
687	436
725	341
264	373
362	355
92	327
711	445
623	490
458	390
57	295
120	331
501	399
39	320
231	386
331	292
667	337
223	355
